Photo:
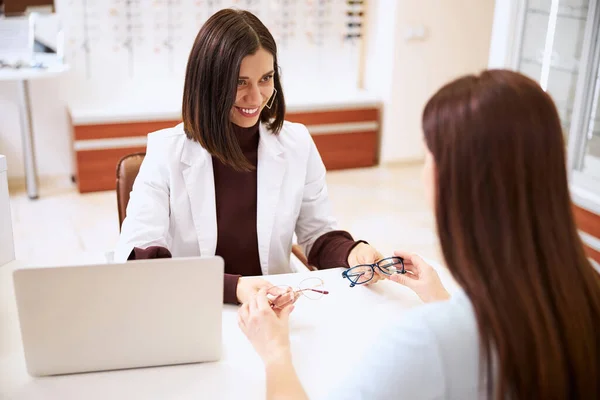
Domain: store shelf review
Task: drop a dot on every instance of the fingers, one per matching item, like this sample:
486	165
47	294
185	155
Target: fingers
261	301
264	285
241	323
363	254
404	254
279	290
417	260
404	279
284	314
243	314
410	258
377	276
372	257
412	262
374	279
252	305
244	311
413	270
256	283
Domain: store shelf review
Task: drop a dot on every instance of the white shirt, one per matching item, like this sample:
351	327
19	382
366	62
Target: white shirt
432	352
172	203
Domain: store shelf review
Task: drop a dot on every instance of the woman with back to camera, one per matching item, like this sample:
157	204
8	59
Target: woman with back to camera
526	325
235	179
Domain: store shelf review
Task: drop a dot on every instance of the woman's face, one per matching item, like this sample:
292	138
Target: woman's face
254	89
428	177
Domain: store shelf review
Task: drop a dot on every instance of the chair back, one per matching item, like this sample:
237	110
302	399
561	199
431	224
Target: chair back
127	170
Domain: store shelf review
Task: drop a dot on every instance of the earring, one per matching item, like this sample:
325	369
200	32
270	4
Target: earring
270	103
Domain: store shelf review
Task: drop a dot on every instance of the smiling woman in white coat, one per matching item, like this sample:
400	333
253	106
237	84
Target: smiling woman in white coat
235	179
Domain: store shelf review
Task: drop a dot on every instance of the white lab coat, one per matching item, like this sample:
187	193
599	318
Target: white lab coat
172	203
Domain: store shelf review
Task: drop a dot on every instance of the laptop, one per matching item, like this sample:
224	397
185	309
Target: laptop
115	316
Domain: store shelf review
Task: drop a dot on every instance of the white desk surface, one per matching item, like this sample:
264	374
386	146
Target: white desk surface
21	74
328	336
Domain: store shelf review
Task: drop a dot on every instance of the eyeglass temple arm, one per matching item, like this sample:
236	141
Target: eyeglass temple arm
314	290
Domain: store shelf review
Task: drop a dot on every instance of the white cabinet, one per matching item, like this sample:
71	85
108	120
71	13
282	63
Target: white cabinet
7	248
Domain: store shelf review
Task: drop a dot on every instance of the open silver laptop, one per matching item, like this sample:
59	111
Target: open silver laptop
114	316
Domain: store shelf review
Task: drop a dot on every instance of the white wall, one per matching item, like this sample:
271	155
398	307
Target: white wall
456	42
404	72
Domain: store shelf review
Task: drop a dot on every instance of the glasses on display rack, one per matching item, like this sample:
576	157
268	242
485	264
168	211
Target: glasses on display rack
284	24
363	273
354	22
353	36
281	296
354	13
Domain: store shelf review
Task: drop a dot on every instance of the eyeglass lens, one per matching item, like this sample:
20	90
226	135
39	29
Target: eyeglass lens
313	288
360	274
391	265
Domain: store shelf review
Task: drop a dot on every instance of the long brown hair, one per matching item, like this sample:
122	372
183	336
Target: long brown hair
508	235
211	77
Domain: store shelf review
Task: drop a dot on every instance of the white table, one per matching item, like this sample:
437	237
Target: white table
23	76
328	337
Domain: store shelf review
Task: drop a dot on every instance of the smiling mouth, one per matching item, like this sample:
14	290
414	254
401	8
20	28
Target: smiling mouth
248	112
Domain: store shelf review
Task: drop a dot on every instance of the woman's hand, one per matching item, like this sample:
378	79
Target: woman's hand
421	277
247	287
267	331
364	253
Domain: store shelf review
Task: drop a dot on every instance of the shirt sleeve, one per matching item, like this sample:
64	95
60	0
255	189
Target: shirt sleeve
230	289
148	212
402	363
148	253
331	250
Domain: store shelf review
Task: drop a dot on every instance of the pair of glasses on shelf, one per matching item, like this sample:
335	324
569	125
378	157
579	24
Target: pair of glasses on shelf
361	274
281	296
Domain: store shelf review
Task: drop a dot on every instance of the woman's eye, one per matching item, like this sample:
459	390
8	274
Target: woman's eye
241	82
267	78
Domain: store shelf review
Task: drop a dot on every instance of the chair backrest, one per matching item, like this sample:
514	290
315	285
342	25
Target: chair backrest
127	170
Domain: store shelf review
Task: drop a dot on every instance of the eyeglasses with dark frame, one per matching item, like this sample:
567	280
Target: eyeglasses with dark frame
363	273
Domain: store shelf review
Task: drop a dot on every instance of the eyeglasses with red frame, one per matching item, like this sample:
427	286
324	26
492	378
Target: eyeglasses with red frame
281	296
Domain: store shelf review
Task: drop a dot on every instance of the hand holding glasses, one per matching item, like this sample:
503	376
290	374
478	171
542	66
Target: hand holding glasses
361	274
282	296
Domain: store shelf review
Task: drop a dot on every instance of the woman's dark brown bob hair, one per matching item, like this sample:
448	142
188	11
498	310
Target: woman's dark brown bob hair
211	83
508	236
